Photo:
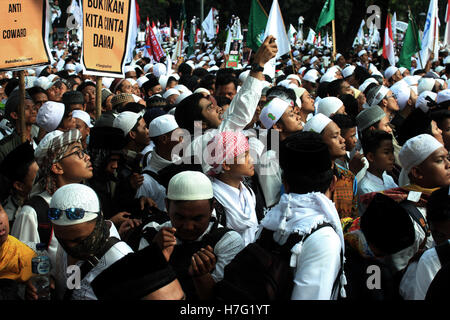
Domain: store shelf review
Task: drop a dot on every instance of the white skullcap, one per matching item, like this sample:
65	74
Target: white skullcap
78	68
213	68
141	80
296	53
348	71
182	88
43	82
129	69
421	101
273	111
311	76
380	94
314	59
163	81
202	90
131	81
40	69
295	77
50	115
200	64
243	76
329	106
126	121
447	60
182	96
82	115
106	81
79	196
415	151
317	123
360	53
170	92
366	83
190	185
402	70
426	84
390	72
301	70
285	83
443	96
338	56
206	58
31	72
159	69
52	77
328	77
69	67
137	99
412	80
402	93
191	64
147	67
162	125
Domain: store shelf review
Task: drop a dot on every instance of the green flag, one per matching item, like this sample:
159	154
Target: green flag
190	50
326	15
256	25
411	43
183	16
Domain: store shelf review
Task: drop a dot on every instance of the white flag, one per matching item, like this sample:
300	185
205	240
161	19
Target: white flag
209	26
291	33
394	26
430	40
132	33
311	35
275	27
228	43
360	35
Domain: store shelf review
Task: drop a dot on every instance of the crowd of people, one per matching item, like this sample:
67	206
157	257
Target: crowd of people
200	182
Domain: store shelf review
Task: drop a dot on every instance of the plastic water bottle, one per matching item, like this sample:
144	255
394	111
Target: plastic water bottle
40	266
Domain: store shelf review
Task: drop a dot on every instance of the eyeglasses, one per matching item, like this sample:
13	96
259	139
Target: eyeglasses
71	213
80	153
391	96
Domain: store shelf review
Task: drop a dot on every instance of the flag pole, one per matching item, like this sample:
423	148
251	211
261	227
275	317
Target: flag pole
22	106
98	96
334	39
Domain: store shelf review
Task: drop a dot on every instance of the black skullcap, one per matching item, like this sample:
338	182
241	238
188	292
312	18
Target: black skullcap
418	122
15	162
153	113
108	138
72	97
305	153
84	85
131	106
12	104
134	276
387	225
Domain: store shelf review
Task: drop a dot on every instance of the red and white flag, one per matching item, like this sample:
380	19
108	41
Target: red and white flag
152	45
388	45
447	26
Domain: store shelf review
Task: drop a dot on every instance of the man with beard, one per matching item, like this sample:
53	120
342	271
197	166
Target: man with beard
86	240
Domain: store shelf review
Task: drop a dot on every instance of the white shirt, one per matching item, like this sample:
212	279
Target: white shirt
372	183
239	205
225	249
115	253
25	227
317	267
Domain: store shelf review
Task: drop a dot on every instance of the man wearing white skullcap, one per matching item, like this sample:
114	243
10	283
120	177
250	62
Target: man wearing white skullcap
330	106
384	98
392	75
54	115
424	163
84	236
83	123
279	114
190	207
423	101
406	99
344	196
426	84
310	81
161	131
61	161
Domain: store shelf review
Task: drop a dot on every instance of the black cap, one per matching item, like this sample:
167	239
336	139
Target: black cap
13	166
134	276
387	225
72	97
305	153
108	138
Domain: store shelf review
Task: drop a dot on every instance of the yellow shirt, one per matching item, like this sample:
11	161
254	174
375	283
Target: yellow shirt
15	260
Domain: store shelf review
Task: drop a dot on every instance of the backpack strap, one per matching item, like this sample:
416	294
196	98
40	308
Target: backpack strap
145	158
89	264
416	215
45	228
152	174
215	234
220	213
443	252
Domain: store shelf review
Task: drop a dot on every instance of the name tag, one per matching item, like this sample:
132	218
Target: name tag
414	196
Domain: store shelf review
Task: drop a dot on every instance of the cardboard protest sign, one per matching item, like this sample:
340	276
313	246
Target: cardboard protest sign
105	36
23	34
234	57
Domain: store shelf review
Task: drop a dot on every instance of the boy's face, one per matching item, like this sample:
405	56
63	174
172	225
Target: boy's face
383	158
435	170
331	135
190	218
384	125
291	121
242	166
4	225
445	127
350	138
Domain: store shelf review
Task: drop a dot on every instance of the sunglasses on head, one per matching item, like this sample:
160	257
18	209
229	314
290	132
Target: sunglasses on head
71	213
